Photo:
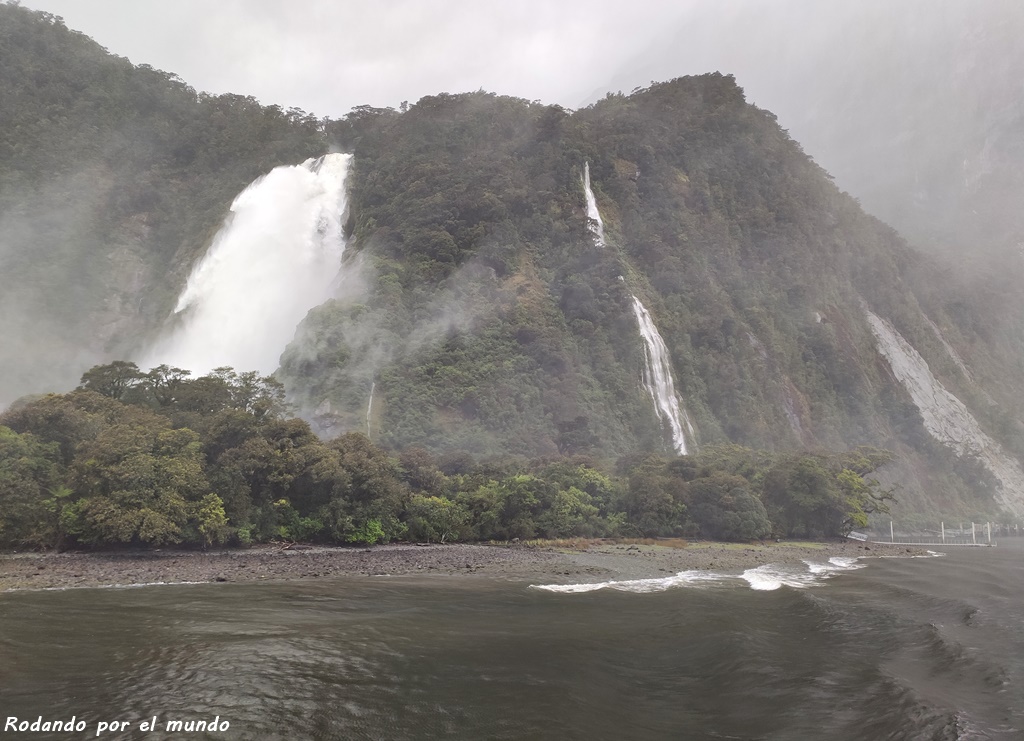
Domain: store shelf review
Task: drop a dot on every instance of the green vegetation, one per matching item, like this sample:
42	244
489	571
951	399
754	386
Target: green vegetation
487	321
113	180
491	323
155	458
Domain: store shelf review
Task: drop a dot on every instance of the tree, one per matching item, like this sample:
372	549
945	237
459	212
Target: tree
211	520
135	481
164	382
819	496
861	497
654	501
726	509
571	513
113	379
436	519
421	472
367	489
67	420
30	474
803	498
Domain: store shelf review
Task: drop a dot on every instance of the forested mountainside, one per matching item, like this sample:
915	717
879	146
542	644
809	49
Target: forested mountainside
113	178
490	318
476	310
915	108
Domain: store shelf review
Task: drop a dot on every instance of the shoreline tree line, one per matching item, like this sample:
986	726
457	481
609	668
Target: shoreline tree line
133	458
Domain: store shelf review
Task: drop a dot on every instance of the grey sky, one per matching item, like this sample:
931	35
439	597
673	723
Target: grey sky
326	56
877	91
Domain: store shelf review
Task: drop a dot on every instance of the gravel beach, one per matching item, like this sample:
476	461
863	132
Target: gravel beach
602	561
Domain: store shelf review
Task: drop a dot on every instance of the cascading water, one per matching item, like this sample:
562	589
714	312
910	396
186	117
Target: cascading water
945	417
596	223
369	407
657	379
274	259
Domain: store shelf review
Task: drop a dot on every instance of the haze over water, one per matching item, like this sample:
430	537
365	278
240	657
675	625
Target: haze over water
903	648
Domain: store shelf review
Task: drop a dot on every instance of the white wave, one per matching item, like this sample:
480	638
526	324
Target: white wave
766	578
641	586
926	554
104	586
770	577
835	564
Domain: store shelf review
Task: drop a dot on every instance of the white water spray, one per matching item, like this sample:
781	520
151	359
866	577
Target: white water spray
945	417
596	223
274	259
657	379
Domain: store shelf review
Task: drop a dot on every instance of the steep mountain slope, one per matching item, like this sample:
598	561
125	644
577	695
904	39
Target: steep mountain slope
916	109
480	309
486	316
112	180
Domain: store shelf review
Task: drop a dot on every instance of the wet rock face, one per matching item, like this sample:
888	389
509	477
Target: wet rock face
946	418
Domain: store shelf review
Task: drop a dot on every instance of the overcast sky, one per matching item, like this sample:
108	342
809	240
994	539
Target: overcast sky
839	74
326	56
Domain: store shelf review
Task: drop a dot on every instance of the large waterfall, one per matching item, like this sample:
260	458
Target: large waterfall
658	379
596	224
945	417
275	258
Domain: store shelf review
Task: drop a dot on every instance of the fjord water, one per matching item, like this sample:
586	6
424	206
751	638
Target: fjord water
922	648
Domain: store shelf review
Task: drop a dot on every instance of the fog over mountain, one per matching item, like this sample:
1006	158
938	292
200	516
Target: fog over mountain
662	269
914	107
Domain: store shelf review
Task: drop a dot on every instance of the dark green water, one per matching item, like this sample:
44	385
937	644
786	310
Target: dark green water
902	649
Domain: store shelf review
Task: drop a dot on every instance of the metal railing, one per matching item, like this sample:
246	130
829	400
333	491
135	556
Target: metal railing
972	534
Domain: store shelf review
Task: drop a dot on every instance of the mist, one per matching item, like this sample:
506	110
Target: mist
914	107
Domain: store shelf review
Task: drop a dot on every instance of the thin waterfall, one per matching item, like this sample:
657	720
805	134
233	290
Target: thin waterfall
596	224
275	258
657	380
369	407
657	374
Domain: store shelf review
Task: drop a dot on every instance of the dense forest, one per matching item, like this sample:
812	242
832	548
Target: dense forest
478	374
133	458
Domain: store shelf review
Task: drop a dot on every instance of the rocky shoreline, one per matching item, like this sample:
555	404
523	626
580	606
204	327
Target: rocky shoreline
597	562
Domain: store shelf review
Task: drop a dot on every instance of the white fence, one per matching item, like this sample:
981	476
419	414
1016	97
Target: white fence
961	534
